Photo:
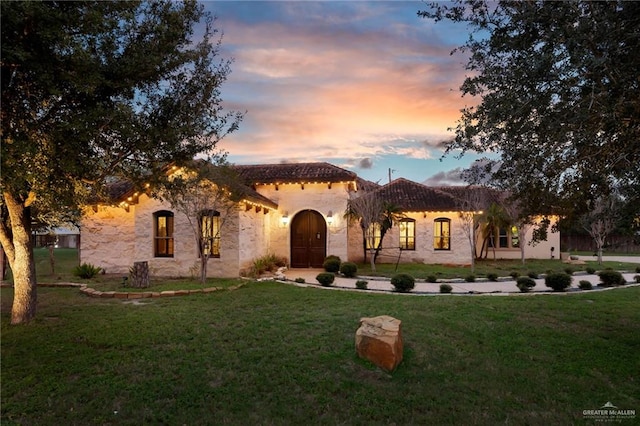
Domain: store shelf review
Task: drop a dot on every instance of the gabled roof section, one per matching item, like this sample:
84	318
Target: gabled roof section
293	173
411	196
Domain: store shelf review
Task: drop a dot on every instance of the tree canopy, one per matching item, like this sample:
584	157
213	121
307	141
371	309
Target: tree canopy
93	90
558	97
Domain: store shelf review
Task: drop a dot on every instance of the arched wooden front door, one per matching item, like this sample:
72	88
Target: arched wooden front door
308	240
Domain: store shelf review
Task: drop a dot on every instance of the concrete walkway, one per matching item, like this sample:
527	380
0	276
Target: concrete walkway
504	285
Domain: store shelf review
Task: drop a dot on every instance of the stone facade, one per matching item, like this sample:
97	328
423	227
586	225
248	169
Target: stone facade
114	238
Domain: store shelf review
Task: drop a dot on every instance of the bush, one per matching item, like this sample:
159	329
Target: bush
638	269
445	288
532	275
558	281
515	275
403	283
569	271
609	278
637	278
300	280
585	285
492	276
325	278
470	278
267	263
331	263
349	269
361	284
86	270
590	270
525	284
432	279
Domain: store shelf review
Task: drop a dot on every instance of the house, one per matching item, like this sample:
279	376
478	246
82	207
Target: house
291	210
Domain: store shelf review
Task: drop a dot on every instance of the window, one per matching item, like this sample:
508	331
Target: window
515	238
408	234
442	234
163	234
506	238
373	235
210	226
503	238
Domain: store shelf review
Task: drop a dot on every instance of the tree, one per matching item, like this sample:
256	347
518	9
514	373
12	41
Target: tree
517	216
93	90
368	208
471	204
558	98
494	218
601	220
391	215
207	193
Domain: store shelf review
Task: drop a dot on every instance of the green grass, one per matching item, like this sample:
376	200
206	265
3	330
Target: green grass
484	267
272	353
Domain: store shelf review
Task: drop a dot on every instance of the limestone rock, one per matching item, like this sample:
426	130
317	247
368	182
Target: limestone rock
379	340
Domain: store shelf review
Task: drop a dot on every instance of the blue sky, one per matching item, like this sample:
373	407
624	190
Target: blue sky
365	85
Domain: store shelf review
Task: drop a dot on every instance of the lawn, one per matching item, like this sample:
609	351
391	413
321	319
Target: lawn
271	353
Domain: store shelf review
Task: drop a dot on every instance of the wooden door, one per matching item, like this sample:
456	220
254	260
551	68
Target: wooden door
308	240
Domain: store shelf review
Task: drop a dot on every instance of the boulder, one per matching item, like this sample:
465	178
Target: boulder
379	340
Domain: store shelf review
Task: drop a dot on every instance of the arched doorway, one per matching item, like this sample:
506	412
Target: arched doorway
308	240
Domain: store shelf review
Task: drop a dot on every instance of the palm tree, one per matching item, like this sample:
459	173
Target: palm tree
390	216
494	218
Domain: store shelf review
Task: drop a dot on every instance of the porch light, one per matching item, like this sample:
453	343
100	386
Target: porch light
330	217
285	218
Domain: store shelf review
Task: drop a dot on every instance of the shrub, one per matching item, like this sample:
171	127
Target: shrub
331	263
300	280
86	270
569	271
591	270
349	269
532	275
525	284
445	288
637	278
609	278
470	278
515	275
638	269
403	283
325	278
432	279
361	284
492	276
558	281
585	285
267	263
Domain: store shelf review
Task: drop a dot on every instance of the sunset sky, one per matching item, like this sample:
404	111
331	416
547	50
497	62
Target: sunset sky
365	85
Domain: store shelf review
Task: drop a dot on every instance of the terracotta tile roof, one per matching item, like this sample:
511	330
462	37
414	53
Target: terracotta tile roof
294	172
411	196
366	185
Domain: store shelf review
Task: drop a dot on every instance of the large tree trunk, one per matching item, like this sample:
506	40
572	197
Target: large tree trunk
17	245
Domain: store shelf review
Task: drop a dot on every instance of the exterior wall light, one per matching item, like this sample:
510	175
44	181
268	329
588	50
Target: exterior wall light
285	218
330	217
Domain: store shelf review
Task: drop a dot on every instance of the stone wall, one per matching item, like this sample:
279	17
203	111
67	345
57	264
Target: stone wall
293	198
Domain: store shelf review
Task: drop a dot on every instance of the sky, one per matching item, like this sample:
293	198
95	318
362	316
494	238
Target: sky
365	85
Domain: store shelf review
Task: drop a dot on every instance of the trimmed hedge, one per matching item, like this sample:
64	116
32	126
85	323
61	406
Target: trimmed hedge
325	278
558	281
403	283
610	278
349	269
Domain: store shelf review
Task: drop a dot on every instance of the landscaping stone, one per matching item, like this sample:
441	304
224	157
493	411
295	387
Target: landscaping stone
379	340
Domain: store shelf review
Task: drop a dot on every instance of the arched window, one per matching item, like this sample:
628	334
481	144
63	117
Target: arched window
407	234
442	234
163	233
210	233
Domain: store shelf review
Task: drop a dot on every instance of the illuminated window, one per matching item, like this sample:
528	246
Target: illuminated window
163	234
442	234
210	225
515	238
506	238
372	235
408	234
